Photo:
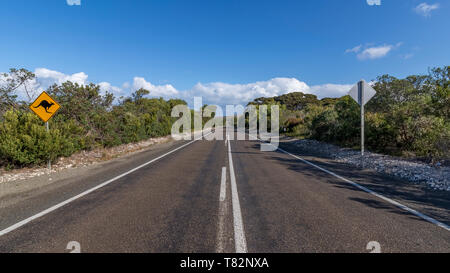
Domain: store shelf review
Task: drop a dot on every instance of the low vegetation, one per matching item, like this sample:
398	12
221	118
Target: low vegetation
86	120
408	117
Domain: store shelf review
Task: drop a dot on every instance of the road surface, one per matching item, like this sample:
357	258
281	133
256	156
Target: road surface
225	196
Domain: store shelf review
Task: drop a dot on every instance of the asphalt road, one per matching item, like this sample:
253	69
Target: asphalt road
225	196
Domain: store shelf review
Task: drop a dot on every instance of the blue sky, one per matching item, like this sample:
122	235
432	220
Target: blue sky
226	51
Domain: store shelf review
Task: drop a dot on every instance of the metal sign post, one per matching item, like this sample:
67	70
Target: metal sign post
362	93
360	99
45	107
49	164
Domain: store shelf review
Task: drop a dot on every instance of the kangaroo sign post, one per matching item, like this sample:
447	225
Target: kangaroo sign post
45	108
362	92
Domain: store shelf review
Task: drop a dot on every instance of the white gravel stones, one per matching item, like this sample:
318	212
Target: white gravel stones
435	176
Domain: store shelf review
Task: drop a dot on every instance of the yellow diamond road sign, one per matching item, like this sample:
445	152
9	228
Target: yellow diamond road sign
44	106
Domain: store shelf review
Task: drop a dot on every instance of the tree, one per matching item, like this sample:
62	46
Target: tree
139	94
12	81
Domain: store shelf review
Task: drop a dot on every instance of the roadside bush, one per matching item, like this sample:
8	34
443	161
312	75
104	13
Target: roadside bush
24	140
431	134
380	135
323	125
86	120
409	117
348	122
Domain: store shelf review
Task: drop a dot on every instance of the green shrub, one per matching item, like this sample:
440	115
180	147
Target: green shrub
24	140
408	116
86	120
323	125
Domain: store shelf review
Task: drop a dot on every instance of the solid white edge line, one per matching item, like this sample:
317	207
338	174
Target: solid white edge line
239	234
59	205
395	203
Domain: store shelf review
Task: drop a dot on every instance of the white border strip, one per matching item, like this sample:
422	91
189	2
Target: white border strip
223	185
239	234
57	206
221	239
395	203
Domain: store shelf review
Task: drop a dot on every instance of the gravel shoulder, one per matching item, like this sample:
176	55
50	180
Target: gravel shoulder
435	177
21	181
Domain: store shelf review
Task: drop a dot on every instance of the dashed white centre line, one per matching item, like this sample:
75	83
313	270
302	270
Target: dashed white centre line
239	234
222	212
223	185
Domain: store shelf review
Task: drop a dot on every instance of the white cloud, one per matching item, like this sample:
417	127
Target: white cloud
26	92
356	49
107	87
330	90
218	93
165	91
374	2
47	77
73	2
369	52
374	52
425	9
224	93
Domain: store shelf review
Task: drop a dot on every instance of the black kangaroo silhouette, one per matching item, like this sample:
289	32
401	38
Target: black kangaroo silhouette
46	105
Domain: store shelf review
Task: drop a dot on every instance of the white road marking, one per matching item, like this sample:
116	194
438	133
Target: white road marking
239	235
223	210
223	185
395	203
57	206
